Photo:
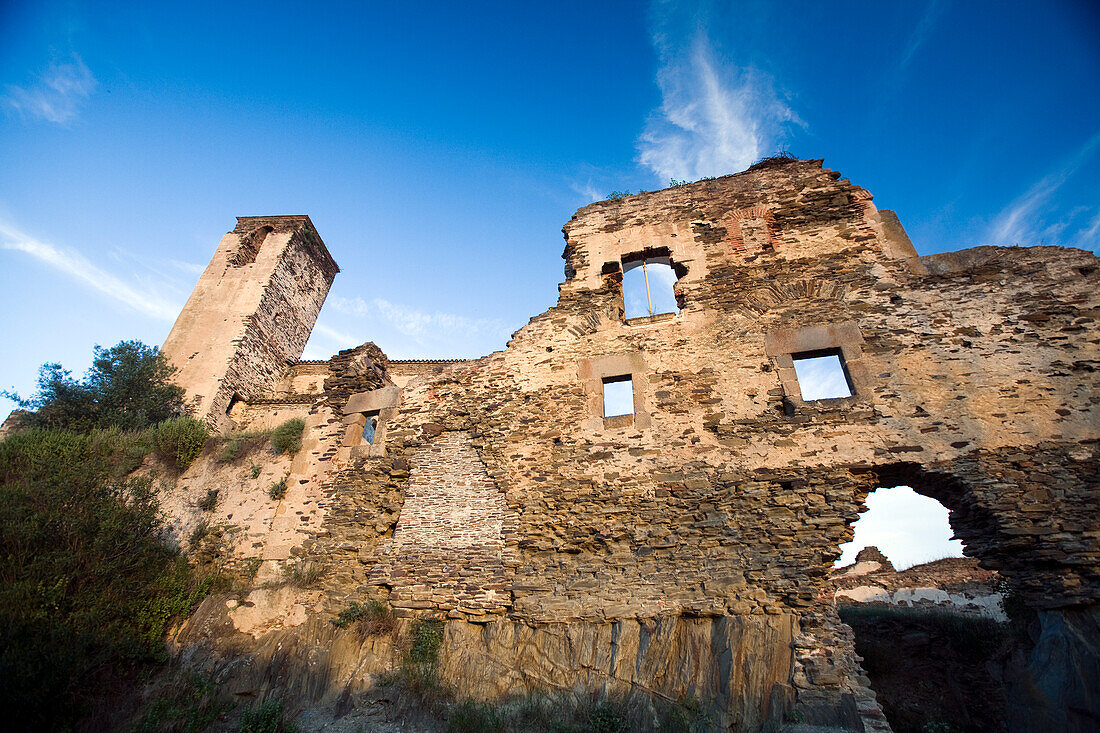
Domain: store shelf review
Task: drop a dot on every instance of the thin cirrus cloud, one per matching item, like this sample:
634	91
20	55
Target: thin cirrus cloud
927	22
145	300
716	117
435	333
1030	219
588	191
57	95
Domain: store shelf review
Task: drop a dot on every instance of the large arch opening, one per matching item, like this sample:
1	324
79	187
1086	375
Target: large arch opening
929	623
905	526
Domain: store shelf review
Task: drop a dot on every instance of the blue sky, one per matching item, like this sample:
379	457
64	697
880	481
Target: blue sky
439	148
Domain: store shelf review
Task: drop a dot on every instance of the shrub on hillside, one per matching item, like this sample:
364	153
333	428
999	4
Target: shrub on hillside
179	441
369	619
87	585
267	717
287	438
128	386
277	490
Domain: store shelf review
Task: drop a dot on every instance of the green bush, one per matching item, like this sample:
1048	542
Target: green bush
427	639
287	438
187	702
370	619
277	490
87	586
198	534
252	566
234	445
419	670
266	717
209	502
563	712
354	612
606	718
128	386
255	471
179	441
470	716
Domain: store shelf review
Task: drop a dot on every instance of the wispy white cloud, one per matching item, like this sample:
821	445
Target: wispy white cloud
57	95
927	22
1090	238
1022	222
326	340
423	327
716	116
588	191
146	299
341	339
189	267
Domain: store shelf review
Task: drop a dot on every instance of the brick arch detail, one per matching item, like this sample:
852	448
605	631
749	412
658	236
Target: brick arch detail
759	219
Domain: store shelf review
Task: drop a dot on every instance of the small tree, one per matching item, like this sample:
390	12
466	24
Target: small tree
128	386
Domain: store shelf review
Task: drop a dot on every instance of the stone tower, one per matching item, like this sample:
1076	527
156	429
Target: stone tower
250	314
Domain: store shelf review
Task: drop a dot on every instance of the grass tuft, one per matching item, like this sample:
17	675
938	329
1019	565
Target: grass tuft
287	438
277	490
302	574
373	618
267	717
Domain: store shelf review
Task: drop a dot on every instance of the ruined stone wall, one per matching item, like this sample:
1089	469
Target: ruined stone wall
734	494
499	493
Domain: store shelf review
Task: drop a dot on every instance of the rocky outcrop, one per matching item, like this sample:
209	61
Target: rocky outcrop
735	671
958	585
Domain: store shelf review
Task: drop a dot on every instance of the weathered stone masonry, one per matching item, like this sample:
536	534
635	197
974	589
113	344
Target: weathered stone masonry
502	499
250	314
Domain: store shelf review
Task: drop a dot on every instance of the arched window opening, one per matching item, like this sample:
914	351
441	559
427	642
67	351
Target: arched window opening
928	624
905	526
649	286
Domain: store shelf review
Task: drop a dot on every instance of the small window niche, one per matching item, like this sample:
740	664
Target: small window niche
617	391
366	433
234	401
367	415
822	375
370	427
618	400
649	282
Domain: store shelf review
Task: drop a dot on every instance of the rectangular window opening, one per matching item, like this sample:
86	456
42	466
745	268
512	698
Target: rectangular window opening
370	427
618	396
822	375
